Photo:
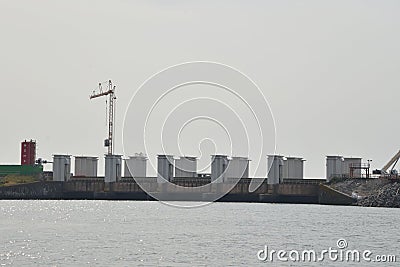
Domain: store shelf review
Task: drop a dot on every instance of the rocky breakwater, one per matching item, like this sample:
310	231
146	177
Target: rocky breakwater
371	192
386	196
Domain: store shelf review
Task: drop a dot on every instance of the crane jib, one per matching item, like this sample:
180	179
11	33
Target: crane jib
102	94
111	113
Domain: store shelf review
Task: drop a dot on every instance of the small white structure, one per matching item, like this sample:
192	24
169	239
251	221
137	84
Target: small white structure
334	167
86	166
293	168
136	166
61	168
186	167
219	163
275	169
165	168
352	162
238	167
113	168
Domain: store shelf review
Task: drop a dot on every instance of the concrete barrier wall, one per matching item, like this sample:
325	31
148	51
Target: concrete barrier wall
297	189
181	187
330	196
38	190
97	189
84	186
57	188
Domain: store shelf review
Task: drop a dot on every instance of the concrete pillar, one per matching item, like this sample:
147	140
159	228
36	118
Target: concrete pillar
113	168
165	168
275	169
61	168
219	164
334	167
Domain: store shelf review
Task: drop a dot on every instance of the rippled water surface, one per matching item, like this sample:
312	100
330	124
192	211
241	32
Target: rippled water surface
123	233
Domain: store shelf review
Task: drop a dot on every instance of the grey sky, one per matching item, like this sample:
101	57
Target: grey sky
328	68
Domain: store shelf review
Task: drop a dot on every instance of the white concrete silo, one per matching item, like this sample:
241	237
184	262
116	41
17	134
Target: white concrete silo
293	168
334	167
61	168
136	166
186	167
219	163
275	169
165	168
86	166
238	167
113	167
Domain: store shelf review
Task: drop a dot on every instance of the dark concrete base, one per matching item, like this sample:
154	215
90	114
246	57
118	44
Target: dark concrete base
98	190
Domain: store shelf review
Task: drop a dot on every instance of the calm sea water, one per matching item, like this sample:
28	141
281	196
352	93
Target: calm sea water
118	233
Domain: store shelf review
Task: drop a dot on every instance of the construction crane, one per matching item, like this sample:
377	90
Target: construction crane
392	162
109	91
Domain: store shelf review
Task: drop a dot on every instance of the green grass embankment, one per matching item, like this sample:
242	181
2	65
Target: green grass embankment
16	179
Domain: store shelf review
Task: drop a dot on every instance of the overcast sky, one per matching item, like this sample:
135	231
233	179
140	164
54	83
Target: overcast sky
329	69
